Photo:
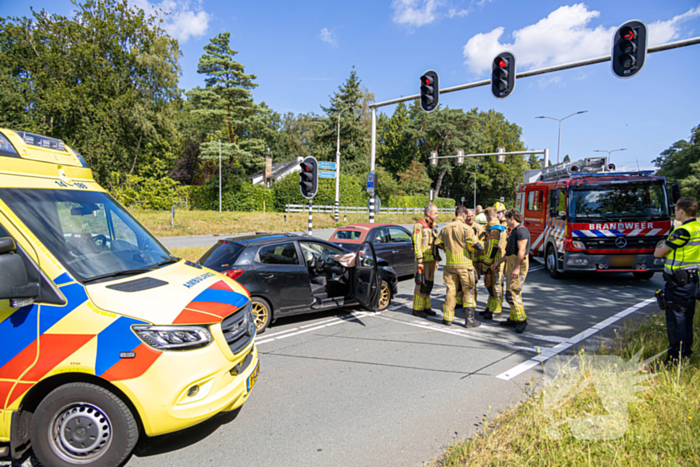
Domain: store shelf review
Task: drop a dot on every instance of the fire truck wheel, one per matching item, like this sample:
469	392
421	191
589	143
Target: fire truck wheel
82	424
551	262
644	275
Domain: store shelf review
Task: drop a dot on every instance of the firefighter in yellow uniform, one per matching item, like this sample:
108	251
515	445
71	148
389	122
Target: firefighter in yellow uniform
457	238
424	244
494	252
476	256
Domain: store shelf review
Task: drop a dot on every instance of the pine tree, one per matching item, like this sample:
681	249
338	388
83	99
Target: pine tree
396	151
354	131
227	98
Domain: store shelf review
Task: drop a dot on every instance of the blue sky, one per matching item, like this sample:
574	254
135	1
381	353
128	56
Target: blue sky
302	51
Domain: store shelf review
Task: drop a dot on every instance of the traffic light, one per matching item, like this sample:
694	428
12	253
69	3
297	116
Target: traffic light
309	177
629	49
503	75
429	90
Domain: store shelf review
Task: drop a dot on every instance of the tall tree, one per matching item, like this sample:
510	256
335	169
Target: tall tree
681	163
101	81
350	102
396	150
227	100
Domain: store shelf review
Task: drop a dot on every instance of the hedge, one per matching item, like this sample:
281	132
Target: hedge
417	202
352	192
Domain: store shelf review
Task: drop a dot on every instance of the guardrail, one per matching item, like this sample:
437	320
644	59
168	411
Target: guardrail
356	209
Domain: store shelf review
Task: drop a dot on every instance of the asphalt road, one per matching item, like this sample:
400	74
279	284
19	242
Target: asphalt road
353	388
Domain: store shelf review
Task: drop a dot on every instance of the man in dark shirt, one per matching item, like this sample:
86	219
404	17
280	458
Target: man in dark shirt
516	259
682	252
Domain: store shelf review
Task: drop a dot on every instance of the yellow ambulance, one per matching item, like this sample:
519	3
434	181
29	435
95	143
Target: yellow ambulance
105	335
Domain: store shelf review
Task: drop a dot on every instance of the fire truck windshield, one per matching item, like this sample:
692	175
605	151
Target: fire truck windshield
618	201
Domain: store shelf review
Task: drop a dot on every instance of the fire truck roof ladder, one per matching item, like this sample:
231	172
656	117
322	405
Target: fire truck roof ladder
566	169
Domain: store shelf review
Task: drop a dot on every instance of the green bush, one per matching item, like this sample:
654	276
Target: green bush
352	191
417	202
250	198
147	193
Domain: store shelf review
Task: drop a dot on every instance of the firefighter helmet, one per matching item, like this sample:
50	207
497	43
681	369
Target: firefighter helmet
499	206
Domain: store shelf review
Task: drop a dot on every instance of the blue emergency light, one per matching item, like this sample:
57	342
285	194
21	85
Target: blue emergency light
45	142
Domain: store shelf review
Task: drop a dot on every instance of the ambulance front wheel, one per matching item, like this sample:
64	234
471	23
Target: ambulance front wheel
82	424
551	263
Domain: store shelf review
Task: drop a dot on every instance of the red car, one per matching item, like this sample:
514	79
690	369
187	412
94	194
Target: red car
392	243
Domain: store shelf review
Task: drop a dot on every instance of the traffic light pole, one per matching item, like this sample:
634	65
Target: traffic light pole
311	217
544	152
373	158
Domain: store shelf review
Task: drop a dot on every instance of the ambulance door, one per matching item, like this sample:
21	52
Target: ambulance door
18	333
535	214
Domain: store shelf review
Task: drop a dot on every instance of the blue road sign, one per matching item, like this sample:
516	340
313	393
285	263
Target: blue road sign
326	165
370	183
326	174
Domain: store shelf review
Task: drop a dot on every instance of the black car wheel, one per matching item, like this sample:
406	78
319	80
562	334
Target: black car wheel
82	424
262	312
384	297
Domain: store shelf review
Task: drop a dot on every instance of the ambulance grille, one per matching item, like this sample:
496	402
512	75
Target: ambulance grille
608	243
239	328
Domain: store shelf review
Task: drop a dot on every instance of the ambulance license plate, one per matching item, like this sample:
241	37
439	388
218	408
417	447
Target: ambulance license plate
623	261
250	382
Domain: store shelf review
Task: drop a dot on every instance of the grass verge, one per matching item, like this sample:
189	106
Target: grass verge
226	223
663	421
192	253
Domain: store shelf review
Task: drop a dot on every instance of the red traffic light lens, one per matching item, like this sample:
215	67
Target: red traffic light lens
427	81
628	33
502	63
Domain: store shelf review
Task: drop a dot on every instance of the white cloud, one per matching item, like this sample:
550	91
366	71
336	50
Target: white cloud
182	19
415	12
328	37
563	36
454	12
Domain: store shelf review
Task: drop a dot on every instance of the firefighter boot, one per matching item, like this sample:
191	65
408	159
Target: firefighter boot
471	321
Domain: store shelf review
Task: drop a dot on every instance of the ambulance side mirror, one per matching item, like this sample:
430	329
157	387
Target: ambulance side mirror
14	283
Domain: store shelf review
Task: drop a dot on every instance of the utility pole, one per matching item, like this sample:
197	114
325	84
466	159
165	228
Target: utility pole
561	120
337	166
473	173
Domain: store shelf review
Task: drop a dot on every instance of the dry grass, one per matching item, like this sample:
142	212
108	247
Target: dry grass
229	223
663	424
192	253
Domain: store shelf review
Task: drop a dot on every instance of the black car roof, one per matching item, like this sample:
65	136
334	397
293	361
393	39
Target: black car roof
261	239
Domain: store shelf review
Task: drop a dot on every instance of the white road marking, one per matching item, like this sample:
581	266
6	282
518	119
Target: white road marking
546	354
317	326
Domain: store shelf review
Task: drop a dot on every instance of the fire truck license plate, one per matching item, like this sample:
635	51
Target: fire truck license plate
253	377
623	261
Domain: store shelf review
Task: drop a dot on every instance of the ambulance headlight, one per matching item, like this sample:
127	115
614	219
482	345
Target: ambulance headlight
579	245
174	337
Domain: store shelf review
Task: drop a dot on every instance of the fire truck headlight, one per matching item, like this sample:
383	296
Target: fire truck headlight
577	262
658	261
578	245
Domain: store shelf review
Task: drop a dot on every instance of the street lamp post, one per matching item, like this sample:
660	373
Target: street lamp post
337	166
610	151
561	120
473	173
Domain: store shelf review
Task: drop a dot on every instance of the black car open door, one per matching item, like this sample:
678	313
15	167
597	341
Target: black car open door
368	283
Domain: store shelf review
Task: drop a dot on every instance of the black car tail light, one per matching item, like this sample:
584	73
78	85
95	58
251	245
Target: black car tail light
233	273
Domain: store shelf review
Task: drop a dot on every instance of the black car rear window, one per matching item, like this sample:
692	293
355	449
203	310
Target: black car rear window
223	254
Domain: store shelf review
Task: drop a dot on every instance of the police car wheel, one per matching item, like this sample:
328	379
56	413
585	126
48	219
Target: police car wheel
82	424
262	312
643	275
551	262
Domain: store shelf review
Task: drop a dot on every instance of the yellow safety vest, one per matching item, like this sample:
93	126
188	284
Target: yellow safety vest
688	255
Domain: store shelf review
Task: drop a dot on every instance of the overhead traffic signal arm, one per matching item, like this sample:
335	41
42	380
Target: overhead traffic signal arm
429	91
503	75
629	49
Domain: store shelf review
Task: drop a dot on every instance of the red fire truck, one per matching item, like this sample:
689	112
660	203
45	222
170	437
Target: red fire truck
583	216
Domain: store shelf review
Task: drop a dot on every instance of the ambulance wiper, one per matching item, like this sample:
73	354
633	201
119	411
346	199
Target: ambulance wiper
167	261
128	272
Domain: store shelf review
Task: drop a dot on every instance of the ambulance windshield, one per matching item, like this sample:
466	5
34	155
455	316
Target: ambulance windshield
88	232
618	201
